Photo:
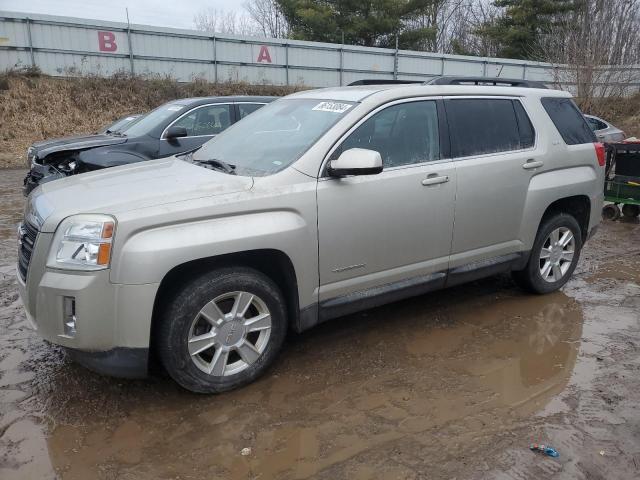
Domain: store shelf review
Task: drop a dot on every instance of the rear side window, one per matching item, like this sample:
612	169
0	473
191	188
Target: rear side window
485	125
527	134
568	120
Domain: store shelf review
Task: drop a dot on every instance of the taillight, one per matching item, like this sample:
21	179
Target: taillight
600	152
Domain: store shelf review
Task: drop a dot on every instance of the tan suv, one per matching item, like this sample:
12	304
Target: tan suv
318	205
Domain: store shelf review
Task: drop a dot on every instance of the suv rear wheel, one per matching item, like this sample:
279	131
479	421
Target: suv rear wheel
222	330
554	256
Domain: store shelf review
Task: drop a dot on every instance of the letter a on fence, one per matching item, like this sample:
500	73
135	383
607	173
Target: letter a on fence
107	42
264	55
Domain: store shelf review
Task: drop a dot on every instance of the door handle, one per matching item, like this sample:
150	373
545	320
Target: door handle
433	179
531	163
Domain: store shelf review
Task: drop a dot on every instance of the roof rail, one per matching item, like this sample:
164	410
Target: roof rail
495	81
380	81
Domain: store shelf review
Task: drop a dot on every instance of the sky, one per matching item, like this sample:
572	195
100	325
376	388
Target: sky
175	13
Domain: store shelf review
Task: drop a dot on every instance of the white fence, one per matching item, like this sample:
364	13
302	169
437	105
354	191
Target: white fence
71	46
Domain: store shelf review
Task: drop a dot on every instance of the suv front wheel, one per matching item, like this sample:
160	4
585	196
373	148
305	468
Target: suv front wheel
222	330
554	256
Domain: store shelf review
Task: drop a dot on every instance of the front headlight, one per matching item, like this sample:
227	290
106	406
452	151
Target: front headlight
82	242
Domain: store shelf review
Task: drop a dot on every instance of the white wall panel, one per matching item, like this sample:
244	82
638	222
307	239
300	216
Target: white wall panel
72	46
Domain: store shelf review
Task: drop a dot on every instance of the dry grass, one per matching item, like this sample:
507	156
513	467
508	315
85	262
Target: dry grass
35	107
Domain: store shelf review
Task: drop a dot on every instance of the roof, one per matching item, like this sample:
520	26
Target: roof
359	93
236	98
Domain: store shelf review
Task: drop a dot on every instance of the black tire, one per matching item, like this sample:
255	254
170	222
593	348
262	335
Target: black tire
611	212
630	210
176	322
530	278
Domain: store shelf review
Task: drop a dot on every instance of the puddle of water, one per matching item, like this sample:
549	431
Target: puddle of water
347	389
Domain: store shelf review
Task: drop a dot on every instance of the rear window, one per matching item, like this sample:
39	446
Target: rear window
567	118
480	126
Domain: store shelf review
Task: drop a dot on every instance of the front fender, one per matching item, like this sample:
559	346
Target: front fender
147	255
548	187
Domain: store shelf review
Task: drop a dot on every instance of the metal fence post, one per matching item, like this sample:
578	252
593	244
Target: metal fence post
215	61
395	61
129	42
484	68
286	61
442	66
341	57
524	71
33	58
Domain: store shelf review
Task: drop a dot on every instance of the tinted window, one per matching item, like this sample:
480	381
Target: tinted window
527	134
402	134
247	108
568	120
595	124
479	126
208	120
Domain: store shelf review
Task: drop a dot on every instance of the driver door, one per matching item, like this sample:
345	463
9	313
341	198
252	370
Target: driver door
381	233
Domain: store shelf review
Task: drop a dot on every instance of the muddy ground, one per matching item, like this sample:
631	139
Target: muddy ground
455	384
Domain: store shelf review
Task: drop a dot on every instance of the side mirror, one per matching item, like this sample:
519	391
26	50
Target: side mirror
176	132
356	161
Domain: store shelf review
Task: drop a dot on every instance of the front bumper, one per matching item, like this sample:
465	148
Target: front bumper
112	321
37	175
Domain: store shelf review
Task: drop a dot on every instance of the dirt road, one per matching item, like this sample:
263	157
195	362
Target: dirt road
450	385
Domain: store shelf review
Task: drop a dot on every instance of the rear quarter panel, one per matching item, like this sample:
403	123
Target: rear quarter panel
569	170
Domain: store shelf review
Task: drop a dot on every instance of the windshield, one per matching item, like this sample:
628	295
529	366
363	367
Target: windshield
121	124
273	137
152	119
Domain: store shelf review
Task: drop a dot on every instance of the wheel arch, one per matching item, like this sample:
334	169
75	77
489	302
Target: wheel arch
578	206
273	263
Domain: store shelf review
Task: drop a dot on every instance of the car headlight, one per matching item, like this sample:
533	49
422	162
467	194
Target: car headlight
82	242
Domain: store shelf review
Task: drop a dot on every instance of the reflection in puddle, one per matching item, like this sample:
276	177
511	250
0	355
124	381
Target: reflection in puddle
433	370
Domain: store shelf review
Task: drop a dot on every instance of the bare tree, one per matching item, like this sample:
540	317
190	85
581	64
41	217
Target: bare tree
267	15
596	49
219	21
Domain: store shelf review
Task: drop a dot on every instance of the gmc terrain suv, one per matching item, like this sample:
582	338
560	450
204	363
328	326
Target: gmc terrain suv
320	204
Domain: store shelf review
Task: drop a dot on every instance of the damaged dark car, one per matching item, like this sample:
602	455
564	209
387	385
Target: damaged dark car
175	127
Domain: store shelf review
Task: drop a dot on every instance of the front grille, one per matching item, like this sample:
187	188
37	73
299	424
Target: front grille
28	235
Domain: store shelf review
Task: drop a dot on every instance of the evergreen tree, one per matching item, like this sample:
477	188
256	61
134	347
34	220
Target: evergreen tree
372	23
518	30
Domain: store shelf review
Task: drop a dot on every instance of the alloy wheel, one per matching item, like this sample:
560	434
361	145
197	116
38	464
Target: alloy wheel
557	254
229	333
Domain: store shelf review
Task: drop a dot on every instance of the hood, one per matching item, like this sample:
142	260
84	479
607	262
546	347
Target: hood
130	187
47	147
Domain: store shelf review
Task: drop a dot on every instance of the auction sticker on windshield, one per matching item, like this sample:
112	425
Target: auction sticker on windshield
333	107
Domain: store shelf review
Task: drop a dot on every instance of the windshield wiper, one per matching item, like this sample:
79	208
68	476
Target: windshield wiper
217	164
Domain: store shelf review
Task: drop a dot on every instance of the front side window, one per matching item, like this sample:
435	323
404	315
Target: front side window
480	126
207	120
246	108
403	134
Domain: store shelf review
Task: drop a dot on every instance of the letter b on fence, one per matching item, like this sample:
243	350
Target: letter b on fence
107	42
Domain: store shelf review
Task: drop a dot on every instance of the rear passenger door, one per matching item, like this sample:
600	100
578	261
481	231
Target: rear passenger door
493	146
202	124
